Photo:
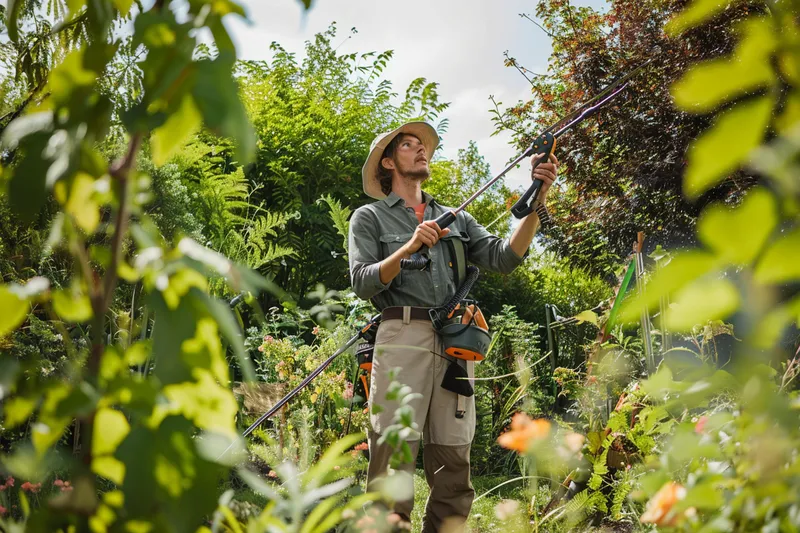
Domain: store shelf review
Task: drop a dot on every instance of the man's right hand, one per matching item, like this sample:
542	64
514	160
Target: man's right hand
427	234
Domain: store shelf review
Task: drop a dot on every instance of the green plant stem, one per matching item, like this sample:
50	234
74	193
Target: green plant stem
120	172
102	299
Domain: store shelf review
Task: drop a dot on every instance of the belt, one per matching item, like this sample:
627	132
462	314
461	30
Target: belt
396	313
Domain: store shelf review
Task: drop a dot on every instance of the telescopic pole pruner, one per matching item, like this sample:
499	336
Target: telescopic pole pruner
543	146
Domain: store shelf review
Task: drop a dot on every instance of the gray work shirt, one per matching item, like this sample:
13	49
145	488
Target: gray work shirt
379	229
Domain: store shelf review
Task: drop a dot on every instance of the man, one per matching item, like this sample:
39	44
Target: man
383	233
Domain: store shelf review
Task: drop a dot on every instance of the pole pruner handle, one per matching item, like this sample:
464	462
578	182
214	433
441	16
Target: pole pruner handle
420	260
544	144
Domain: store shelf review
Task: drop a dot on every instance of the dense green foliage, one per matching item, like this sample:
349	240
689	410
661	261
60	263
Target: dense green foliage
327	108
145	176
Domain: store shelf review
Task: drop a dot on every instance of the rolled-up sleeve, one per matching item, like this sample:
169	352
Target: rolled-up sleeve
365	255
490	251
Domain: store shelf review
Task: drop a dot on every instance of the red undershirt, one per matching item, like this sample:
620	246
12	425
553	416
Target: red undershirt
419	210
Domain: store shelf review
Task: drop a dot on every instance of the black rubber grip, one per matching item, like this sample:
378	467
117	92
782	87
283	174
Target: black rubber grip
417	261
446	219
525	205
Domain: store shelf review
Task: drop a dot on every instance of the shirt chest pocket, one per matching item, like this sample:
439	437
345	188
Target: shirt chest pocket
390	243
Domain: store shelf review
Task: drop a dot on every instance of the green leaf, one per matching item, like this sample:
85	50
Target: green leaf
17	410
110	429
771	326
15	309
701	301
709	84
683	269
204	401
726	145
217	97
686	446
9	369
109	467
586	316
52	421
732	233
12	18
781	260
27	191
123	6
69	76
78	197
180	125
72	306
333	456
698	12
137	353
230	330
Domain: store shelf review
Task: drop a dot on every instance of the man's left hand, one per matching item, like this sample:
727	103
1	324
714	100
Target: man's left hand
546	172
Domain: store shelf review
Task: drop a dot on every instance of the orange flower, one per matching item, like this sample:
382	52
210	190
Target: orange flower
659	507
523	432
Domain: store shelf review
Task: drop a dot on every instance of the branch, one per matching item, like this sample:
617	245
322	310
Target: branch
571	20
500	119
120	171
522	70
526	16
66	25
6	119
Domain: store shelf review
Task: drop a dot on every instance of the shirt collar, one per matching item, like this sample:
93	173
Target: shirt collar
392	199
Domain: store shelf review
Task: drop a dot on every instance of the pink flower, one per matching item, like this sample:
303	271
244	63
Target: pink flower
701	424
272	474
361	446
58	483
269	339
315	331
31	487
348	391
3	510
261	348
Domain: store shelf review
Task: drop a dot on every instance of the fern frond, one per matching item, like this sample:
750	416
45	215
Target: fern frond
340	216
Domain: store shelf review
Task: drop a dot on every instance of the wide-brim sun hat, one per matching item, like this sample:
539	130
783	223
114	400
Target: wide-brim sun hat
369	173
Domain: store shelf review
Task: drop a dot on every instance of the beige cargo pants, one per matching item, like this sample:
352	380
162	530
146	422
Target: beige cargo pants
412	346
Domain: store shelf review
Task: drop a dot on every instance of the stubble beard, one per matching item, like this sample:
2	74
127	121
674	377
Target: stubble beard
415	175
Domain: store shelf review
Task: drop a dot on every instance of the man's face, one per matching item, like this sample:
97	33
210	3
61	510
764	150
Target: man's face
410	159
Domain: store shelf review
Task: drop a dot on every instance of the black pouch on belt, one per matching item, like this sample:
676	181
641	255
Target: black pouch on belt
456	378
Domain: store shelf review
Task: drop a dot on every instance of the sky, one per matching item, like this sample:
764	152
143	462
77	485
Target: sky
457	43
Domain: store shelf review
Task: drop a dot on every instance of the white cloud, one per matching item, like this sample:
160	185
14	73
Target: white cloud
458	43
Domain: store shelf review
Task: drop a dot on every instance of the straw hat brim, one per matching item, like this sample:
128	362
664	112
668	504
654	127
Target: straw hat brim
369	173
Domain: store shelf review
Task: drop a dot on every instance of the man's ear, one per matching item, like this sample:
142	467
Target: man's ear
388	163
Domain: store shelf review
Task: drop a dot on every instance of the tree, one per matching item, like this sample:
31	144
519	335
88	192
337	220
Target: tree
622	169
315	121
